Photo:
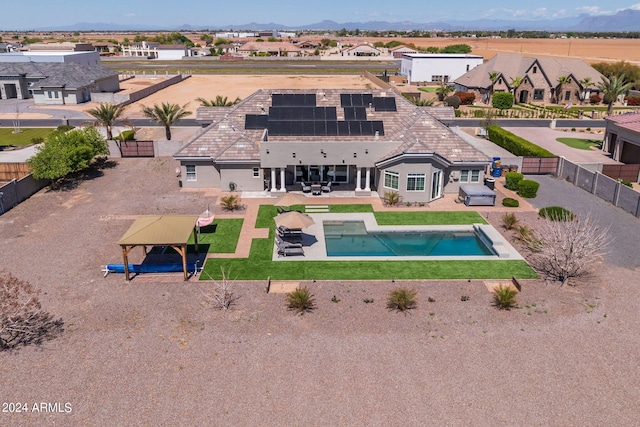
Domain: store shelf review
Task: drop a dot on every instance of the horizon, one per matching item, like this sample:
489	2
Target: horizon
65	13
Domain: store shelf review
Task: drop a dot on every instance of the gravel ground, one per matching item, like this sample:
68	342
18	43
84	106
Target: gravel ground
154	352
624	228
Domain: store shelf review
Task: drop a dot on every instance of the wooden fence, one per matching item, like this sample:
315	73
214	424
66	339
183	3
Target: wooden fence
625	172
540	165
10	171
137	149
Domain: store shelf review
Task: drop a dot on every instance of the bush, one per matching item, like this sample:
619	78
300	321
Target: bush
452	101
466	98
528	189
512	179
301	300
595	99
127	135
402	300
37	140
392	198
556	213
625	182
230	202
502	100
509	221
504	297
64	128
510	203
457	113
633	100
478	114
515	144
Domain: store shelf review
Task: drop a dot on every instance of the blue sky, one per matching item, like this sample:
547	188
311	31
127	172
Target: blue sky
46	13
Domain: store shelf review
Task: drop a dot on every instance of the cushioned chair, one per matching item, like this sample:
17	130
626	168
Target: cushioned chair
326	188
289	234
306	188
288	248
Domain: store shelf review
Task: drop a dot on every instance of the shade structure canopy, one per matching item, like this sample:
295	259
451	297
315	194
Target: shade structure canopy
294	219
160	230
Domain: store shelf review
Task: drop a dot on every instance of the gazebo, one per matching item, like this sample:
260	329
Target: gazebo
160	230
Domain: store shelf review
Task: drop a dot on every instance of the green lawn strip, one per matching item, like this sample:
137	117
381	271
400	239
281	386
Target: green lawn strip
428	218
254	269
7	137
429	89
221	236
580	143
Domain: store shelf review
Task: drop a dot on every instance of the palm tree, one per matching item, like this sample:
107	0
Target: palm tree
493	76
562	80
515	83
166	114
106	115
218	102
586	83
443	90
612	88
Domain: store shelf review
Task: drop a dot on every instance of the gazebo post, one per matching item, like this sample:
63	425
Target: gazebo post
184	261
195	237
125	256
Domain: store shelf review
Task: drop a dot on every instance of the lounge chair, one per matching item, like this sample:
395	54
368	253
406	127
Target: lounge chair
288	248
289	234
283	209
326	188
306	188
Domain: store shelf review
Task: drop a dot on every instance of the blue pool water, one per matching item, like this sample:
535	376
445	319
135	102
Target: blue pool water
350	238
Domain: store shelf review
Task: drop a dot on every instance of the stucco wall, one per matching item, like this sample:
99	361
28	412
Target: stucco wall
242	176
207	175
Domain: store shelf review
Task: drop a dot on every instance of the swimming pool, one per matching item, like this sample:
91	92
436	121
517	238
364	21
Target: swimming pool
351	238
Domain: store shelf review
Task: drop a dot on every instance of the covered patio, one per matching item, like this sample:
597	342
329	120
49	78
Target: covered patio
160	230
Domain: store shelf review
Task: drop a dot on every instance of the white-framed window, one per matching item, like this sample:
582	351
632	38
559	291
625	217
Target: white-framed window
256	172
191	172
391	180
470	175
415	182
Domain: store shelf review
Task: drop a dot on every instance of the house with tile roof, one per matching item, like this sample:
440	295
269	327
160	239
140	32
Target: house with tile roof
269	49
360	140
622	137
540	79
361	49
55	83
400	50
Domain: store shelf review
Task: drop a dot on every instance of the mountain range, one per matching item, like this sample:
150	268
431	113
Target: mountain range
623	21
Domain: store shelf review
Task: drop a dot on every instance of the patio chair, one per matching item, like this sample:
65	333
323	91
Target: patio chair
306	188
326	188
288	248
289	234
283	209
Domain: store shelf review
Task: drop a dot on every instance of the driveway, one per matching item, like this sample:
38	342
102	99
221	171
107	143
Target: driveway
546	138
623	227
27	109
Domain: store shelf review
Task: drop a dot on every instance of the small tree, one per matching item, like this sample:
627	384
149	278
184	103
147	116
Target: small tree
562	80
22	320
564	250
493	76
166	115
443	90
611	89
223	297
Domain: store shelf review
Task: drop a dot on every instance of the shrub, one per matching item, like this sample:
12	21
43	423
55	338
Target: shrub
37	140
595	99
452	101
528	188
301	300
504	297
625	182
512	179
633	100
510	203
515	144
509	221
466	98
502	100
230	202
64	128
478	114
392	198
402	300
556	213
127	135
457	113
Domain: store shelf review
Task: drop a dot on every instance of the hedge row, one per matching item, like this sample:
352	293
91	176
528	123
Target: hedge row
516	145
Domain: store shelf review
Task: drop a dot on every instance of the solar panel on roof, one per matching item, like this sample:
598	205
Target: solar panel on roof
343	128
345	100
367	127
256	121
332	127
361	113
378	126
384	103
308	128
355	129
349	113
367	99
331	113
319	128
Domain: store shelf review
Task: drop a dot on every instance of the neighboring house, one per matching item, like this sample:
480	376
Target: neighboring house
154	50
269	48
10	47
398	51
79	57
622	137
362	140
539	79
360	50
437	67
53	83
106	48
61	47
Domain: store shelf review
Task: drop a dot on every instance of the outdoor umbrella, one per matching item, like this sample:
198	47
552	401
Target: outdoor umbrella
290	199
295	220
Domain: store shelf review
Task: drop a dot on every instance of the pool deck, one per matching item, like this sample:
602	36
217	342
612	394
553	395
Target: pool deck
315	250
252	202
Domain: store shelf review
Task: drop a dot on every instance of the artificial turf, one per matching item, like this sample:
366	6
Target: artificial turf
259	265
24	137
221	236
579	143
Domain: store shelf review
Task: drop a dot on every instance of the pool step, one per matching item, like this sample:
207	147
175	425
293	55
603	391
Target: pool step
316	209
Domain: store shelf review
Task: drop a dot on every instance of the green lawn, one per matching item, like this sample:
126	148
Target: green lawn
7	137
579	143
430	89
221	236
259	265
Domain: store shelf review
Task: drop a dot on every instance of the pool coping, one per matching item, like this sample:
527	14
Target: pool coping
315	250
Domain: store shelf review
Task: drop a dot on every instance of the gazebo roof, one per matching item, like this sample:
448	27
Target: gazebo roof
159	230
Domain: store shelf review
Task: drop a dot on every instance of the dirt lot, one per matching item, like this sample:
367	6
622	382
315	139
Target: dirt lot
154	352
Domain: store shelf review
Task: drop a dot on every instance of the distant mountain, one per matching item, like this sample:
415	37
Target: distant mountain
625	20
